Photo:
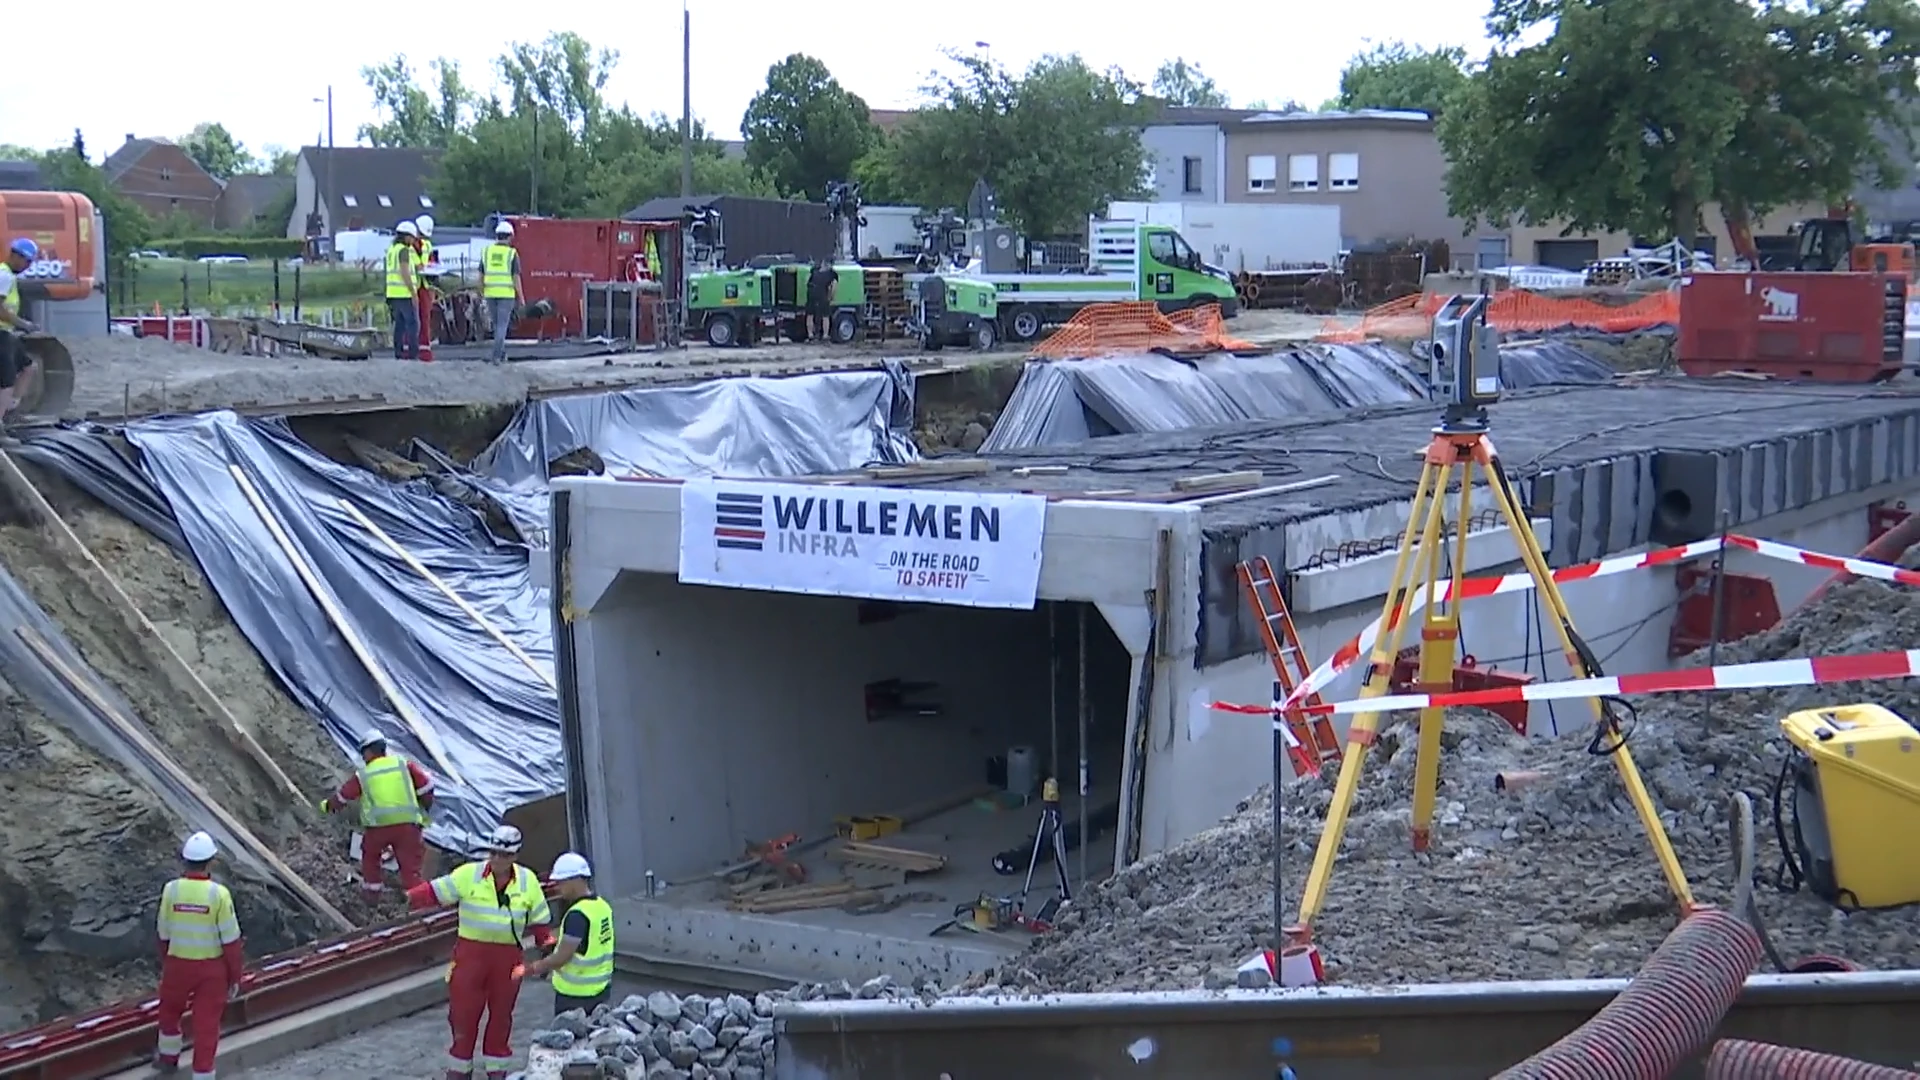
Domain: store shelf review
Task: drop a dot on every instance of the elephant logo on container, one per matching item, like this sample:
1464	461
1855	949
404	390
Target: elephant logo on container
1782	306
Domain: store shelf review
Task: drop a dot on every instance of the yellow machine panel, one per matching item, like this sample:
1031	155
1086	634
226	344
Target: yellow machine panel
1855	792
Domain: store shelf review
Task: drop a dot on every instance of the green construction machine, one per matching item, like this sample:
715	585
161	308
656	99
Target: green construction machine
767	299
954	311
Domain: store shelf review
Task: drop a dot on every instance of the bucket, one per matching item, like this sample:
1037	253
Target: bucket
1023	771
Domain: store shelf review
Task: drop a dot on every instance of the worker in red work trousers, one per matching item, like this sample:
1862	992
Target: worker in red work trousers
500	903
394	796
200	959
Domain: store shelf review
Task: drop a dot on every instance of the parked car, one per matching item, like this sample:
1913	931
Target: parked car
222	260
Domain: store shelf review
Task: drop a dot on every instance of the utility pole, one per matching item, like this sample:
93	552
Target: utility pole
686	102
533	167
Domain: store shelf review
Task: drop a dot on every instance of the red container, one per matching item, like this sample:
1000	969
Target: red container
183	329
559	257
1820	327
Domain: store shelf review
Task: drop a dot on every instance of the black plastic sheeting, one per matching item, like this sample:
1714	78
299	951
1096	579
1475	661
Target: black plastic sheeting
496	721
1059	402
797	426
95	460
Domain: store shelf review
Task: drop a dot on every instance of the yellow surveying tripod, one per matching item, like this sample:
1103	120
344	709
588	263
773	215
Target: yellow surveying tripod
1463	362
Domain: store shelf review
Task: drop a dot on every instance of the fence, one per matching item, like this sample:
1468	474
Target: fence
1140	326
327	293
1512	310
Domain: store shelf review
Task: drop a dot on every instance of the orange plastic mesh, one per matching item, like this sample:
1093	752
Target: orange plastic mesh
1513	309
1140	326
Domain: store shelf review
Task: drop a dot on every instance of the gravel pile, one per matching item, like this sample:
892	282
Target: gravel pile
1554	880
662	1036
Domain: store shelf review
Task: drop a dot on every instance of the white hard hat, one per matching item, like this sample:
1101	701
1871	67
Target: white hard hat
570	865
198	848
505	228
425	224
372	737
505	839
406	228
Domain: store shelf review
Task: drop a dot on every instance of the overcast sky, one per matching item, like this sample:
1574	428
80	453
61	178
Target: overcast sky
261	72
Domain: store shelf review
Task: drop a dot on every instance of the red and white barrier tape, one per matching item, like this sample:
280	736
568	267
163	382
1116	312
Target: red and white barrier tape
1346	655
1755	676
1867	568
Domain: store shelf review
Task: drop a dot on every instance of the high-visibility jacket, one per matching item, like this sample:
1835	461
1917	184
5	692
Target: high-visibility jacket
387	796
196	919
496	282
483	917
396	280
13	298
591	969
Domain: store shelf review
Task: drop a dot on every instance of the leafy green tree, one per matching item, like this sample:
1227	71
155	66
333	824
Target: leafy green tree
1633	114
410	116
79	145
1397	76
279	161
216	150
1056	144
563	75
493	167
1182	84
1286	105
805	130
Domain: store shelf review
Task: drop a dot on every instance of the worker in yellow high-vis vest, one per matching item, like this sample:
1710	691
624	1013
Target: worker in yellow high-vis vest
402	304
201	958
582	964
21	255
501	903
500	286
393	794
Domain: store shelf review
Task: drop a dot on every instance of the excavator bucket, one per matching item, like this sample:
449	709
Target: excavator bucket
47	386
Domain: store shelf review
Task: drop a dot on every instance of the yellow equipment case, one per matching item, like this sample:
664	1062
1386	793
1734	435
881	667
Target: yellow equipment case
1850	792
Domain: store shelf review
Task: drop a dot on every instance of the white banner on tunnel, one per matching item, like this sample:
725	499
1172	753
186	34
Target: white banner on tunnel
969	548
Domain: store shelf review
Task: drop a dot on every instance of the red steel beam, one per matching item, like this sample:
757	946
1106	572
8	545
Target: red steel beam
120	1036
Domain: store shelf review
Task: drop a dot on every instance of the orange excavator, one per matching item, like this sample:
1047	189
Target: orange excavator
71	267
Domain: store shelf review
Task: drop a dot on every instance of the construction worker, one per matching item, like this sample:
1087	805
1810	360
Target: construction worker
424	226
424	259
13	320
582	964
394	796
500	901
500	286
402	285
200	959
820	286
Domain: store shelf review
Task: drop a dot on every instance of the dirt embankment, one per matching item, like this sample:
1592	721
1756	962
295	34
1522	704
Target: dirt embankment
84	848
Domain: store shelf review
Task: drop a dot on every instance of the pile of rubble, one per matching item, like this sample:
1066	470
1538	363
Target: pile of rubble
662	1036
1553	880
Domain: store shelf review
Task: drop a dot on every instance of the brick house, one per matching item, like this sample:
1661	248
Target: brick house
163	179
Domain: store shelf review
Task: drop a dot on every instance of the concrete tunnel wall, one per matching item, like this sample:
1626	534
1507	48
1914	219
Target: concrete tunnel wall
668	784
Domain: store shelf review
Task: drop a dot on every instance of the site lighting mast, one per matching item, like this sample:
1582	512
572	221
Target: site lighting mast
686	102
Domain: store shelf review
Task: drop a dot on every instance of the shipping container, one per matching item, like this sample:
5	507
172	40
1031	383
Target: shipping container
889	233
560	257
1247	239
1825	327
755	228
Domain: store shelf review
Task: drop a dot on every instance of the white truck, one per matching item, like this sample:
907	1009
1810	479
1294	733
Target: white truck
1242	238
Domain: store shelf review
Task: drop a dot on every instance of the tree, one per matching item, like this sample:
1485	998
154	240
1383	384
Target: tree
410	115
79	145
279	161
1397	76
563	75
804	130
1182	84
1287	105
128	227
216	150
1056	144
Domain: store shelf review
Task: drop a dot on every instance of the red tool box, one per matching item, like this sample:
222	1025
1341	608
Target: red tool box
1836	327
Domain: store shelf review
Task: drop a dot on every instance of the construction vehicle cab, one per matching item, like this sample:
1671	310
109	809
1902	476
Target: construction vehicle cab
1831	244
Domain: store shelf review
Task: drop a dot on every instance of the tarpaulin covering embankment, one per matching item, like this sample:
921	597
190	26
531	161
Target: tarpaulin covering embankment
306	580
1058	402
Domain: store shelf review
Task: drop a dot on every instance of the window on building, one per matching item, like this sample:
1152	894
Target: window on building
426	202
1261	175
166	175
1343	172
1490	251
1190	175
1303	172
384	201
350	200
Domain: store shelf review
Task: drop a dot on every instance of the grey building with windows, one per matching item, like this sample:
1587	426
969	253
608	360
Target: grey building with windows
1187	153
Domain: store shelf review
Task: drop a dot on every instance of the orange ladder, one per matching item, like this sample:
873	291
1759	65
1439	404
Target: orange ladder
1315	746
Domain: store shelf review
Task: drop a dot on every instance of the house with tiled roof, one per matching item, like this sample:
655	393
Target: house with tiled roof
359	187
163	179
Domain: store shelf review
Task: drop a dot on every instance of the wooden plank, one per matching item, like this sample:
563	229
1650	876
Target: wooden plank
135	734
116	597
931	467
446	590
1227	481
321	596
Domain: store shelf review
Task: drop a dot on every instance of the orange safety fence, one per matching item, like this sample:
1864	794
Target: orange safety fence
1140	326
1511	310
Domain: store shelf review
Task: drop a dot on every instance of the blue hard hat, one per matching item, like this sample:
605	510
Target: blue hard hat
24	248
